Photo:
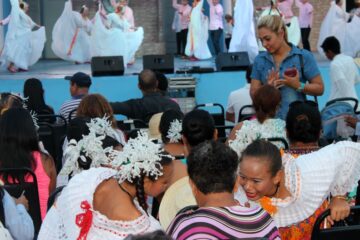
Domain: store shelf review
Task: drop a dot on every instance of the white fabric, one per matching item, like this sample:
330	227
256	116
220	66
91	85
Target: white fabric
239	98
4	233
293	31
253	130
103	38
23	47
344	74
244	38
335	24
198	34
71	27
312	177
59	222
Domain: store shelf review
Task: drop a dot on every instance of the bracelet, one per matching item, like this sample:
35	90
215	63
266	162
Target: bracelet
340	197
301	87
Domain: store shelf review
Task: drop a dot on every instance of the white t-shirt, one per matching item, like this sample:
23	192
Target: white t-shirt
344	74
237	99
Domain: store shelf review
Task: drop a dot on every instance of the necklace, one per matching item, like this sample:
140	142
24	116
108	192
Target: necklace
124	190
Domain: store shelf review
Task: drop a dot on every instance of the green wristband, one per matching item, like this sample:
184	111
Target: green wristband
301	88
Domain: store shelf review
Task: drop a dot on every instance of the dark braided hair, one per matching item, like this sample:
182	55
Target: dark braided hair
139	182
140	192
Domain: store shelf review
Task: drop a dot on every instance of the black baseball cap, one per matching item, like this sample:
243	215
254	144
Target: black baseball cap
81	79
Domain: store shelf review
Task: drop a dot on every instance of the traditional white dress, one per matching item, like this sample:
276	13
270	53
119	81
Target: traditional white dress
74	207
252	130
335	24
115	39
243	35
23	47
71	36
310	179
293	31
4	233
198	34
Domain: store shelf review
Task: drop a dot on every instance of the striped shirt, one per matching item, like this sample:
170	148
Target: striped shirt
69	107
224	223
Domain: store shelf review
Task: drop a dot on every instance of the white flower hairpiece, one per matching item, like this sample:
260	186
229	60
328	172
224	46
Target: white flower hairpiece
24	105
35	119
89	146
174	133
101	126
139	156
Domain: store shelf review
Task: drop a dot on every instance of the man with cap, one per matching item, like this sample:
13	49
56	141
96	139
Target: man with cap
79	87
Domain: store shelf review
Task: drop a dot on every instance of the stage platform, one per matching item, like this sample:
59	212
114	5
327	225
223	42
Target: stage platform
211	87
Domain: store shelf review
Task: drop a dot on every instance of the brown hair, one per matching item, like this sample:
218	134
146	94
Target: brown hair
266	100
274	23
95	105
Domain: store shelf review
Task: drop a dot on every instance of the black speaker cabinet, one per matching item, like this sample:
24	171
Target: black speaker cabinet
107	66
159	63
234	61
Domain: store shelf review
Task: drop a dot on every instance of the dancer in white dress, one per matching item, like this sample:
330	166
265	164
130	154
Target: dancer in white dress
196	45
99	203
115	30
71	35
243	35
336	24
23	47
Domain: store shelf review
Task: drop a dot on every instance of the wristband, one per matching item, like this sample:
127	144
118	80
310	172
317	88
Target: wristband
301	87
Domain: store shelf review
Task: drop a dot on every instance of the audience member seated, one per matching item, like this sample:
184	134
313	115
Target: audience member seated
170	128
294	190
99	203
79	87
239	98
197	126
19	148
151	103
266	102
14	216
10	100
344	73
303	127
96	106
212	169
35	100
88	139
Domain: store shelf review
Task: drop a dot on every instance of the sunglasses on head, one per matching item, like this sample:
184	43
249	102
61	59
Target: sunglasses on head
308	102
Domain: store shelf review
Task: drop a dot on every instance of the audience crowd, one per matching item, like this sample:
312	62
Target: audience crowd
172	177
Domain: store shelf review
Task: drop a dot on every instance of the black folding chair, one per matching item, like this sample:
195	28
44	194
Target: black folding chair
53	196
350	230
131	126
15	184
345	99
246	116
72	114
219	118
279	139
223	129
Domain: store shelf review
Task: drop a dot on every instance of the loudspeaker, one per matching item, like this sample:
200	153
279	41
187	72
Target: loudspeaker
159	63
232	61
107	66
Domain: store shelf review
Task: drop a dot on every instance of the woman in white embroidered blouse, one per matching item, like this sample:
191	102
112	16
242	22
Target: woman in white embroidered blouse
266	102
294	189
99	203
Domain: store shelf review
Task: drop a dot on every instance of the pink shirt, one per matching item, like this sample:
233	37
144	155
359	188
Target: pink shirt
216	16
129	16
285	9
184	12
305	14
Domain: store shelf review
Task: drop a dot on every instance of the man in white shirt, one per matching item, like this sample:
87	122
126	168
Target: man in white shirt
344	73
239	98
